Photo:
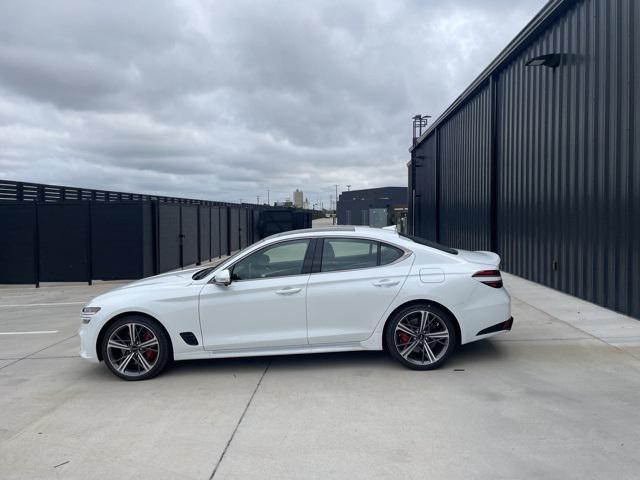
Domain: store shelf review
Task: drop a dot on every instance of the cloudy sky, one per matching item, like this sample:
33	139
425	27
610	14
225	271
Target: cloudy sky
223	100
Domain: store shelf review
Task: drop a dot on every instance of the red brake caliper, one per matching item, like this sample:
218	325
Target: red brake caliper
149	354
404	337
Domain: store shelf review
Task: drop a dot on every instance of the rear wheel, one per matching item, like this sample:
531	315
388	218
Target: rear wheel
135	348
421	337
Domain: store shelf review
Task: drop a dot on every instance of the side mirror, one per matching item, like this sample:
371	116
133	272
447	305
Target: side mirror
223	277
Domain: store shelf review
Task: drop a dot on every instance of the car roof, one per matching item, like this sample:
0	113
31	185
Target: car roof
341	230
357	231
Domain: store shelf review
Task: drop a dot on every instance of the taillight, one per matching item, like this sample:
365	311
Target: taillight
489	277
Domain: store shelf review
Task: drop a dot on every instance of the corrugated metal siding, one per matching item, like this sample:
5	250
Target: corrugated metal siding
425	201
410	187
566	154
634	173
568	164
465	175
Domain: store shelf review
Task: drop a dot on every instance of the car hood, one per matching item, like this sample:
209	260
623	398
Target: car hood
177	277
478	256
140	288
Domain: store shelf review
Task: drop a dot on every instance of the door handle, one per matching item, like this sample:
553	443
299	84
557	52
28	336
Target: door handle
386	282
288	290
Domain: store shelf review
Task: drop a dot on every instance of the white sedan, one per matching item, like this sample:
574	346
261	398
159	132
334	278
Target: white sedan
305	291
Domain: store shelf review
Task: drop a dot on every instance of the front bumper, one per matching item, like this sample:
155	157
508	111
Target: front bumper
88	345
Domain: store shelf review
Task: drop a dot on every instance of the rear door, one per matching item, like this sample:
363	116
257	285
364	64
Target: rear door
354	282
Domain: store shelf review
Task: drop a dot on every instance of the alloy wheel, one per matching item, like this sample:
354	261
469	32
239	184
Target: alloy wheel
133	349
421	337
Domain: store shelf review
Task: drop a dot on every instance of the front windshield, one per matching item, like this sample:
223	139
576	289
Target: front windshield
200	274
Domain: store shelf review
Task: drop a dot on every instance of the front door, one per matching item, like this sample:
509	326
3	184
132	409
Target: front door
264	306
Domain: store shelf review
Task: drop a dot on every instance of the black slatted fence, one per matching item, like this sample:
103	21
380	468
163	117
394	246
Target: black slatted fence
51	233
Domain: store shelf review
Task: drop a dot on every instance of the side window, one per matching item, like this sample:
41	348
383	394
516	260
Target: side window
389	254
276	261
348	254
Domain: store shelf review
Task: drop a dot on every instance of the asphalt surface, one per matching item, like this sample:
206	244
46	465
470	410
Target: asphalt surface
557	397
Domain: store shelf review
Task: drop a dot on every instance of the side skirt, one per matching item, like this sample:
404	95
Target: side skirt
257	352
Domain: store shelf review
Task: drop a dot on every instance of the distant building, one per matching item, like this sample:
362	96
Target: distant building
375	207
298	198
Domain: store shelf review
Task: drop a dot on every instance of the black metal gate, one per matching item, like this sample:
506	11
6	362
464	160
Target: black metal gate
18	243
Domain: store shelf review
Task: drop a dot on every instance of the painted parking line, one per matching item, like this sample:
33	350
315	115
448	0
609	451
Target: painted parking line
29	333
41	304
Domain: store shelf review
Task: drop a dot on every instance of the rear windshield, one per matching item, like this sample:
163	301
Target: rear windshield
429	243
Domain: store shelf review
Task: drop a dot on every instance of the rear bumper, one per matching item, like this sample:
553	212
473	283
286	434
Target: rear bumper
498	327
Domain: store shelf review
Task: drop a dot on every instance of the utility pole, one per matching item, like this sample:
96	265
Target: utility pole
335	218
268	202
258	199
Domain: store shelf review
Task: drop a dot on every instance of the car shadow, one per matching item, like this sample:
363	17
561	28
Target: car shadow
474	354
477	354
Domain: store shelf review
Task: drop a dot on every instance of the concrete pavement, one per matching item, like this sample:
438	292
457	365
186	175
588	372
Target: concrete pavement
555	398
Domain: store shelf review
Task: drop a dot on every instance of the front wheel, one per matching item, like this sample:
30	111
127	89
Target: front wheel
135	348
421	337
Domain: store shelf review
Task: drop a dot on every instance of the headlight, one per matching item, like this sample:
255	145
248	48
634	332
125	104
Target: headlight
88	312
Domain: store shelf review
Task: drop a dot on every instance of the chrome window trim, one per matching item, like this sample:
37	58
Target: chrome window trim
407	253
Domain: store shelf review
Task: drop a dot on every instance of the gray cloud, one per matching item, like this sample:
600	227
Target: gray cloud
225	99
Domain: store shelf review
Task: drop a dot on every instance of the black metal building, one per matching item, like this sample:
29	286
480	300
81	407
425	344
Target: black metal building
539	158
372	206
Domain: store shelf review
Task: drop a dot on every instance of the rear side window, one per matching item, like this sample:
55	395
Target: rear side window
352	253
389	254
348	254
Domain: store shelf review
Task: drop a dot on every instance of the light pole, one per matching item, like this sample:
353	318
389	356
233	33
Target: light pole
348	188
268	202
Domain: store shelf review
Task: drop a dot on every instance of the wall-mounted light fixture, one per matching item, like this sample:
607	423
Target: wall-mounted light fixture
419	125
551	60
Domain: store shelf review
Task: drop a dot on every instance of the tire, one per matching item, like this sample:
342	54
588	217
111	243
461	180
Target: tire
142	359
421	337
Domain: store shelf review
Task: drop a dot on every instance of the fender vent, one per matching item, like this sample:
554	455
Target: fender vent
189	338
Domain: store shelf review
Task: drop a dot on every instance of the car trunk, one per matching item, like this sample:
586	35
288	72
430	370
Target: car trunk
485	258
